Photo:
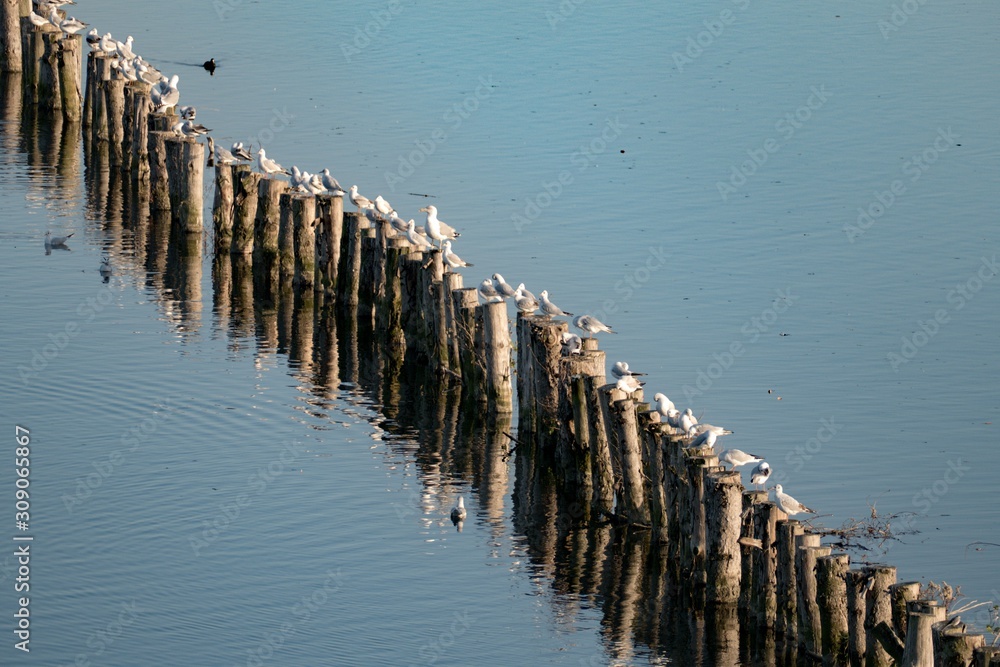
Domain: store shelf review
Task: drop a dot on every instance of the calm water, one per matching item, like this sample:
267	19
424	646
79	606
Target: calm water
579	150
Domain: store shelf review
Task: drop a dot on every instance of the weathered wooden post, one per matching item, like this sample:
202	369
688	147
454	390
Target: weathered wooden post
90	89
544	337
390	314
807	552
222	208
766	564
787	588
496	339
921	617
100	129
901	595
70	68
267	218
723	508
49	96
330	209
603	498
158	174
636	509
831	586
186	168
349	270
953	647
573	450
141	107
114	90
10	26
304	218
856	581
466	301
245	212
878	613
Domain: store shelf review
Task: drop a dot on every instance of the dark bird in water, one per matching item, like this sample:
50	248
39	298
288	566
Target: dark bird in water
210	66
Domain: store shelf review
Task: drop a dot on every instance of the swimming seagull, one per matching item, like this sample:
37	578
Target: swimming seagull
268	166
525	303
56	241
458	512
360	200
105	269
502	288
571	344
789	505
550	309
241	152
451	259
760	474
591	325
488	292
737	457
436	229
621	368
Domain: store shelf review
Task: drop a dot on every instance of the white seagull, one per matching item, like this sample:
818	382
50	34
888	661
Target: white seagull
760	474
488	292
241	152
56	241
458	512
525	303
718	430
502	288
628	384
789	505
416	238
688	421
621	368
383	207
360	200
268	166
706	439
436	229
451	259
105	269
550	309
664	405
591	325
571	344
737	457
331	184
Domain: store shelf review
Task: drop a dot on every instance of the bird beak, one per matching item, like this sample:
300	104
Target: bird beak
423	210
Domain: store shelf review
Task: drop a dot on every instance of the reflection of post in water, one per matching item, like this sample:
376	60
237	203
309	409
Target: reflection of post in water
242	299
10	111
183	278
222	285
300	353
326	374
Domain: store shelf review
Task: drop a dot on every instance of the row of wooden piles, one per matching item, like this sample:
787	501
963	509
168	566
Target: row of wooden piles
609	453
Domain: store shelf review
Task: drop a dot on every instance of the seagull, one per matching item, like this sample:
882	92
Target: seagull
736	457
550	309
717	430
591	325
189	129
621	368
187	113
360	200
628	384
56	241
436	229
331	184
267	165
451	259
706	439
688	421
663	404
525	303
789	505
571	344
760	474
298	177
37	20
458	512
315	184
223	156
383	207
525	292
108	44
105	269
164	99
124	49
416	238
502	288
94	40
241	152
69	25
488	292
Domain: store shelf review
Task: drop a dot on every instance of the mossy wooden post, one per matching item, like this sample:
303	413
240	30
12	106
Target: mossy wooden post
389	321
411	316
114	89
901	595
878	611
723	508
245	212
286	236
697	460
304	218
438	312
987	656
650	429
330	209
527	406
10	26
158	175
786	622
764	597
89	89
70	68
673	479
831	586
921	617
49	97
496	339
452	281
750	548
544	337
807	553
186	167
100	129
953	647
603	496
267	218
855	583
573	451
367	284
466	301
141	107
349	270
636	509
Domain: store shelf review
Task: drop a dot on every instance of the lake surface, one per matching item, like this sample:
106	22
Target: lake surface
691	175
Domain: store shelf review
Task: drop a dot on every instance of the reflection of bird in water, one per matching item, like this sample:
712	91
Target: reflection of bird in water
458	512
210	66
